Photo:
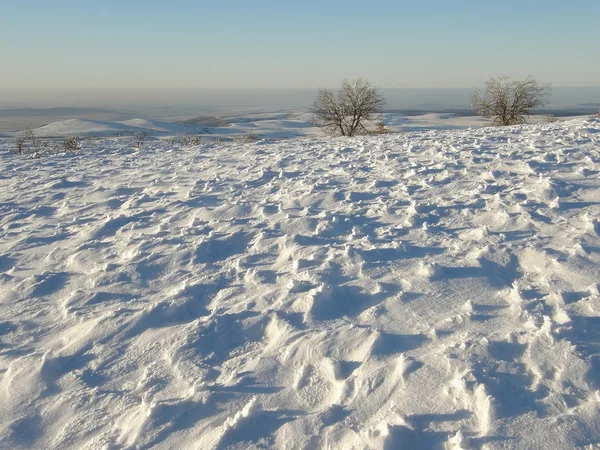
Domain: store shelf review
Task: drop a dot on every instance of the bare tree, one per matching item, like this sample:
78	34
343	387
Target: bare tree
509	102
347	111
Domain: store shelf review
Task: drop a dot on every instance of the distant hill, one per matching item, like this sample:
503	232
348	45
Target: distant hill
213	121
63	111
161	127
208	121
18	118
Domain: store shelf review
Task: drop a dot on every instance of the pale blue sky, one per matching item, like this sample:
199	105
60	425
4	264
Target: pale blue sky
81	44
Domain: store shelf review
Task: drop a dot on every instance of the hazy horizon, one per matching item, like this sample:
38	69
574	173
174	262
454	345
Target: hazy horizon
261	98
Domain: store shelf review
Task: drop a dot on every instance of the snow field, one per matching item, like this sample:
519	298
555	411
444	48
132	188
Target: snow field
424	290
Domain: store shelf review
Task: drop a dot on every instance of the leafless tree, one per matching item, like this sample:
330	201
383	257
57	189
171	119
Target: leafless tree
509	102
347	111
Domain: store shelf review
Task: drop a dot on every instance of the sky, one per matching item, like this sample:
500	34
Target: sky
79	44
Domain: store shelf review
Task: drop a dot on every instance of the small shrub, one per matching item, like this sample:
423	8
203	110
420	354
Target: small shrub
246	138
190	140
26	136
550	118
71	144
381	129
140	139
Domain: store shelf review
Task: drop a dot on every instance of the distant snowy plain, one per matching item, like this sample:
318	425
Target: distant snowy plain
435	289
266	125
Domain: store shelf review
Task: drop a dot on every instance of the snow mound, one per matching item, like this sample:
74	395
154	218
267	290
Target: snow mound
424	290
82	127
160	127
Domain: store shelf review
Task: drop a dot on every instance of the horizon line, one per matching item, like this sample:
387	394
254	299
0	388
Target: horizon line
177	88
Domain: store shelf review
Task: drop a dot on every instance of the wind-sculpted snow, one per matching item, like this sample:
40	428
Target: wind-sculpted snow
414	291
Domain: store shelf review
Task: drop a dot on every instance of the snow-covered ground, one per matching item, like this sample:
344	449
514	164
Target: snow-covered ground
423	290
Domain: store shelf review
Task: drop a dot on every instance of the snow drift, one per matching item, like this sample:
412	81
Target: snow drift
423	290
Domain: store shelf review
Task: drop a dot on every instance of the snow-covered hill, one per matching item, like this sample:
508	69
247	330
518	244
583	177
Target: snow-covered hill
81	127
422	290
264	126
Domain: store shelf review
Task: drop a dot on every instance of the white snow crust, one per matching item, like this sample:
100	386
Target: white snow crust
434	289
